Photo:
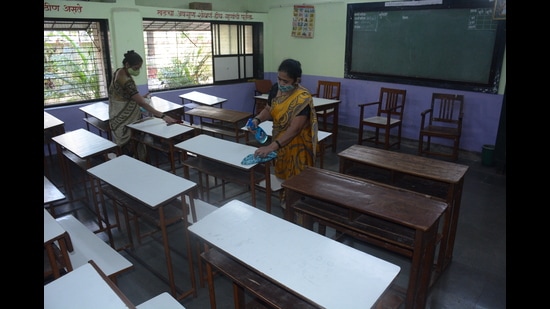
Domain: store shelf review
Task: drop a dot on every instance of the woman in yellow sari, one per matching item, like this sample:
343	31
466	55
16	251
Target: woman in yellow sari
294	135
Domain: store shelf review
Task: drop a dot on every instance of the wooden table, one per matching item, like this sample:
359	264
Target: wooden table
162	137
439	174
154	189
221	121
56	236
322	104
404	222
197	98
84	287
226	164
316	269
97	115
85	149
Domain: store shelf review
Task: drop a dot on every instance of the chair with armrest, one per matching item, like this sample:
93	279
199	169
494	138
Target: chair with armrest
327	90
262	87
443	120
389	115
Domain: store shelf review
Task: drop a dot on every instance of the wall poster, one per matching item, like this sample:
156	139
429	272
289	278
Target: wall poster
303	21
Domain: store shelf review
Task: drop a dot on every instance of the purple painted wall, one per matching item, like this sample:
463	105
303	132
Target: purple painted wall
481	119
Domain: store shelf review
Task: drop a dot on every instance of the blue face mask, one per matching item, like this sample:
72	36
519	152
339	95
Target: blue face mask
286	88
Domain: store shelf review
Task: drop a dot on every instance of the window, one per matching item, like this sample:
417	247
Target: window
178	54
75	61
182	54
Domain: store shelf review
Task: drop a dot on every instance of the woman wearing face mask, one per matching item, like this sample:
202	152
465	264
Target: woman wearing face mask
125	102
290	107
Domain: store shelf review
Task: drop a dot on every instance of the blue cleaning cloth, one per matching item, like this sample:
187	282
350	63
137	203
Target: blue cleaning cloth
251	158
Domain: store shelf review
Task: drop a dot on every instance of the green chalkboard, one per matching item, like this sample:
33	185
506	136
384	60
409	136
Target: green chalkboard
447	47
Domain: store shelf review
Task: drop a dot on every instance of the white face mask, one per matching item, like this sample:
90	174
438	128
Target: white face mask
133	72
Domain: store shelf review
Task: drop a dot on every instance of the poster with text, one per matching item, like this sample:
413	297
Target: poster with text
303	21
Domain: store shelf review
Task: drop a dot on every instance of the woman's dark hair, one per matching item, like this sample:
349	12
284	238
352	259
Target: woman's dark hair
132	58
292	68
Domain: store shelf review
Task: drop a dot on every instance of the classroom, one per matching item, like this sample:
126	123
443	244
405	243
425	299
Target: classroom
330	47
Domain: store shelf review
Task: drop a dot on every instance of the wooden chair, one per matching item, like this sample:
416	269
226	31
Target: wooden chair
443	120
262	87
389	115
327	90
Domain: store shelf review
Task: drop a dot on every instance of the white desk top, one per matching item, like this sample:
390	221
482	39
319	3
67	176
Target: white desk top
161	301
224	151
52	229
316	101
82	288
163	105
83	143
148	184
267	126
99	110
158	127
202	98
325	271
51	121
51	192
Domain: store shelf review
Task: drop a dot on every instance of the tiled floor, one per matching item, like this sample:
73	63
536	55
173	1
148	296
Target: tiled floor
476	278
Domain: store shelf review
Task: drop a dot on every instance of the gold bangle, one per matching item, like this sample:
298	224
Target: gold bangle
278	144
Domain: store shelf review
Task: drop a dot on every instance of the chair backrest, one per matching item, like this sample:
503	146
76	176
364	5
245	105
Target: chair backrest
392	101
447	109
262	86
328	90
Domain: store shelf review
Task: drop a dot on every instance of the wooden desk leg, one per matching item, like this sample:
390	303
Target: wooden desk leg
211	290
238	296
454	196
267	171
335	127
421	268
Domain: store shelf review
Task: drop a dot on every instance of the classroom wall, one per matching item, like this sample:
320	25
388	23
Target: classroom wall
322	57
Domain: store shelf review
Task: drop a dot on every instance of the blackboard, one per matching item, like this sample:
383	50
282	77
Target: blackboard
440	46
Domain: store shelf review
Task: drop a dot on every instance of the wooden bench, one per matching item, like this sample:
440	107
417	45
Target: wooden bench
398	220
269	295
437	178
88	246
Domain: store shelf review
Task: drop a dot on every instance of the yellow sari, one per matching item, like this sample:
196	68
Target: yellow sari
301	151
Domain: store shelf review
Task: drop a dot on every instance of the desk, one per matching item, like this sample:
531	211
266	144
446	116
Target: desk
164	106
55	233
318	269
223	121
51	195
267	126
86	287
196	98
225	164
322	104
81	147
164	136
153	188
402	221
438	173
97	115
52	127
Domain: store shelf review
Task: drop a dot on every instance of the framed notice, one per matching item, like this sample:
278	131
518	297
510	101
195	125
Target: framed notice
303	21
500	9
